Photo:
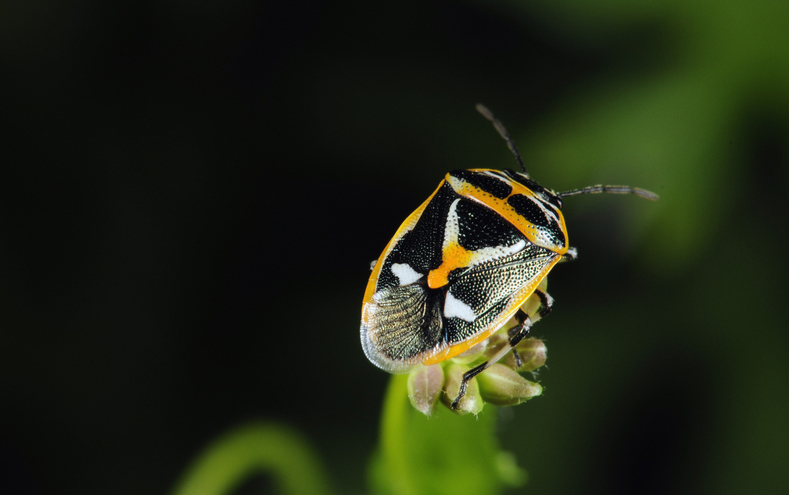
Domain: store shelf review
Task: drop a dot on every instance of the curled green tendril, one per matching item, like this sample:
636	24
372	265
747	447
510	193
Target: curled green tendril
257	448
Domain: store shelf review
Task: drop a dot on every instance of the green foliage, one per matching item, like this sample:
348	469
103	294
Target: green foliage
443	454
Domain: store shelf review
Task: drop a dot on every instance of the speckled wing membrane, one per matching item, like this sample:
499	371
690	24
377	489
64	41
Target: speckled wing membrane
459	267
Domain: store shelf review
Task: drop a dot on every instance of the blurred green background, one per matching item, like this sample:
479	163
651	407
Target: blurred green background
193	191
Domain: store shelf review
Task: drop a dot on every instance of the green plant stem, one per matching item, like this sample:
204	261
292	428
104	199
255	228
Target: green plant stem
254	449
444	454
394	435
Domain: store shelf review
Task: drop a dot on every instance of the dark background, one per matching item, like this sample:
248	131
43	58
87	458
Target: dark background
192	193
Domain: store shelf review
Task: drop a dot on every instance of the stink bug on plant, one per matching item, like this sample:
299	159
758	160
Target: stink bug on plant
466	262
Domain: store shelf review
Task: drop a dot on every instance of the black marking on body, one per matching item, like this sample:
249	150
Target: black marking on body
528	209
421	247
481	227
491	185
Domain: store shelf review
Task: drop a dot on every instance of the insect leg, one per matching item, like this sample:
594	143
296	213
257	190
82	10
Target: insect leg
516	334
467	376
546	305
521	317
521	331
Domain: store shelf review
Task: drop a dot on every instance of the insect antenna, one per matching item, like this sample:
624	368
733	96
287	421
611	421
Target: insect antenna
611	190
502	132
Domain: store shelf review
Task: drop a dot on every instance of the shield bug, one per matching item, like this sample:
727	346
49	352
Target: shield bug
465	263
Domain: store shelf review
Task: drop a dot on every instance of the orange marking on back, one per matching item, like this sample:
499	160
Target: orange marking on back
454	256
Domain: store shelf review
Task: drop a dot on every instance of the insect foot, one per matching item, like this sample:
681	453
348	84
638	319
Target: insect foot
461	402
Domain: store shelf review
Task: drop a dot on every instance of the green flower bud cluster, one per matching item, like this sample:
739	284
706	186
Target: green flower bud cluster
500	384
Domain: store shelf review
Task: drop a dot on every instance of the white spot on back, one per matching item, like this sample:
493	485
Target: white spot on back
452	228
454	307
405	274
494	253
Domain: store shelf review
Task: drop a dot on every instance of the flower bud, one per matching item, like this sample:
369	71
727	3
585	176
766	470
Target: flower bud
532	352
471	401
425	385
502	386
